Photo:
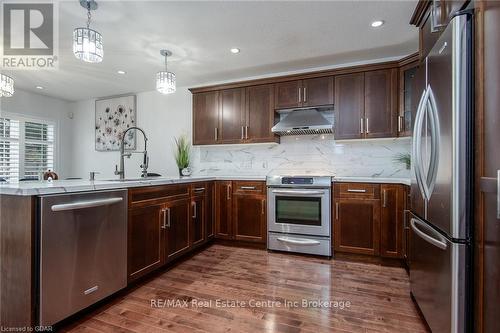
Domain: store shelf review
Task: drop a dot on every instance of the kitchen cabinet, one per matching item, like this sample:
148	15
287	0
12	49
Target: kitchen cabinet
232	116
407	95
223	209
391	220
145	240
349	106
178	218
406	228
304	93
210	212
206	118
197	228
241	211
380	103
259	115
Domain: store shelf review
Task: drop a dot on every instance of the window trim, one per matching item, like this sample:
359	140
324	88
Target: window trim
23	118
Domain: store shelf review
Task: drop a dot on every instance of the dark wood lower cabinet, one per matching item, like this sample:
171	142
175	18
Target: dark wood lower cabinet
223	209
391	220
178	216
145	240
198	220
249	217
357	226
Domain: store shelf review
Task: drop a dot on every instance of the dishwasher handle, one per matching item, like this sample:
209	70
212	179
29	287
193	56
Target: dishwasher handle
85	204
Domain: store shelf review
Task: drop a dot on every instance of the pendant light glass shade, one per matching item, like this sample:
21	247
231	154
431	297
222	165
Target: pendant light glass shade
165	80
6	86
87	45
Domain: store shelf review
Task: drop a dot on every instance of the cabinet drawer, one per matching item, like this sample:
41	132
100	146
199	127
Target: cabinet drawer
199	189
157	193
250	187
357	190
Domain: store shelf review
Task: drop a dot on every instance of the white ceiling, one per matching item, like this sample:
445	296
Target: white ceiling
274	36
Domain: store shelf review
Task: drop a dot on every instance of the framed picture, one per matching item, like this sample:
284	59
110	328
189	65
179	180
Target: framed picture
113	115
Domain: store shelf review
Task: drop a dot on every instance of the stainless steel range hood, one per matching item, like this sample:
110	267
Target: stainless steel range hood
305	121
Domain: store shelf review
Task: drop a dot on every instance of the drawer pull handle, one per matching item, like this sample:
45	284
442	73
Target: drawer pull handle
297	241
247	187
356	191
199	189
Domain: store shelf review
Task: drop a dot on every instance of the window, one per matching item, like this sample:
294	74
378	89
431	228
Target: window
26	147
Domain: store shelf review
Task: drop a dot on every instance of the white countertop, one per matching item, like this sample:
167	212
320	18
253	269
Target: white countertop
29	188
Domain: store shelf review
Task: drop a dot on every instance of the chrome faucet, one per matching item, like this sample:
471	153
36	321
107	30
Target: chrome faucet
145	161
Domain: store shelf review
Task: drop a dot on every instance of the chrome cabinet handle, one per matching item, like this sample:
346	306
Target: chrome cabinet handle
247	187
228	192
367	130
262	204
400	124
164	214
193	204
356	191
246	132
437	243
498	194
199	189
216	133
85	204
361	126
298	241
299	95
305	94
242	132
168	217
384	199
336	210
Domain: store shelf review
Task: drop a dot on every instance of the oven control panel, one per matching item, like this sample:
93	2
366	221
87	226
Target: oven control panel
297	181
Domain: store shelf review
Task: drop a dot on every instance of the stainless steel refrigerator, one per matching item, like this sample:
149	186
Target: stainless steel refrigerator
441	189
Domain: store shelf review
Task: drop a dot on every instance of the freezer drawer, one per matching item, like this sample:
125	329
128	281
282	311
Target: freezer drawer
299	243
83	251
437	277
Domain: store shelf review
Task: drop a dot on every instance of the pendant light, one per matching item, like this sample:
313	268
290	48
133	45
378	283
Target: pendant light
87	43
6	86
165	80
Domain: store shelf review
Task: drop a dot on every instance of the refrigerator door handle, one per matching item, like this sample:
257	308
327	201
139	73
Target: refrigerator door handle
435	142
417	142
441	243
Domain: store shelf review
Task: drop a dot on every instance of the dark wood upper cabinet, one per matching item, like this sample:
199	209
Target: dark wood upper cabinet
145	239
223	209
380	103
317	91
178	218
249	216
349	106
288	94
232	115
407	94
391	220
259	115
205	117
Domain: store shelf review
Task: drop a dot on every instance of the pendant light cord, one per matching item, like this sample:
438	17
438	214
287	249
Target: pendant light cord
166	70
89	15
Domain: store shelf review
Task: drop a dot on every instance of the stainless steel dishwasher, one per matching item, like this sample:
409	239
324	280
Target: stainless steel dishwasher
83	251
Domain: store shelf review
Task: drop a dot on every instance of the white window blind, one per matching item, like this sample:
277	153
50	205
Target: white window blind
27	148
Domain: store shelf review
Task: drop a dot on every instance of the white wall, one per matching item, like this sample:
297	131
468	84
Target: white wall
162	117
46	108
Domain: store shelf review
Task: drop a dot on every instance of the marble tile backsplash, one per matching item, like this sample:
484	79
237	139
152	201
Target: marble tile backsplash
311	154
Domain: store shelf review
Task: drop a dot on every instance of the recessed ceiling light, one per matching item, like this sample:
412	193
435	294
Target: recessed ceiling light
376	24
39	87
235	50
121	72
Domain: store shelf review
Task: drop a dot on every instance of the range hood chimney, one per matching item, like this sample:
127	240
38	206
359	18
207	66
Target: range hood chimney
305	121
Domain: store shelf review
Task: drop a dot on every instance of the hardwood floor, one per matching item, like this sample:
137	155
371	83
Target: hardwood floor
378	295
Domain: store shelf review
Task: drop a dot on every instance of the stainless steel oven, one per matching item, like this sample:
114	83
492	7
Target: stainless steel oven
299	214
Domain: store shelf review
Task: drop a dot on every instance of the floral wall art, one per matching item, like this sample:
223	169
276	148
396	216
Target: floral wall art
112	117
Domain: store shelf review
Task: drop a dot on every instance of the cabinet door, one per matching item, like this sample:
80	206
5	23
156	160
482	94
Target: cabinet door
232	115
210	212
357	226
223	209
288	94
177	227
318	91
260	113
407	112
349	106
198	217
205	117
380	103
391	220
249	218
145	239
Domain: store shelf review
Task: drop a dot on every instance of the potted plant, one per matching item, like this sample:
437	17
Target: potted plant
403	158
182	155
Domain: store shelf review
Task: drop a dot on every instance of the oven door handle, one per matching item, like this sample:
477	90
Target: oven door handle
297	241
298	192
